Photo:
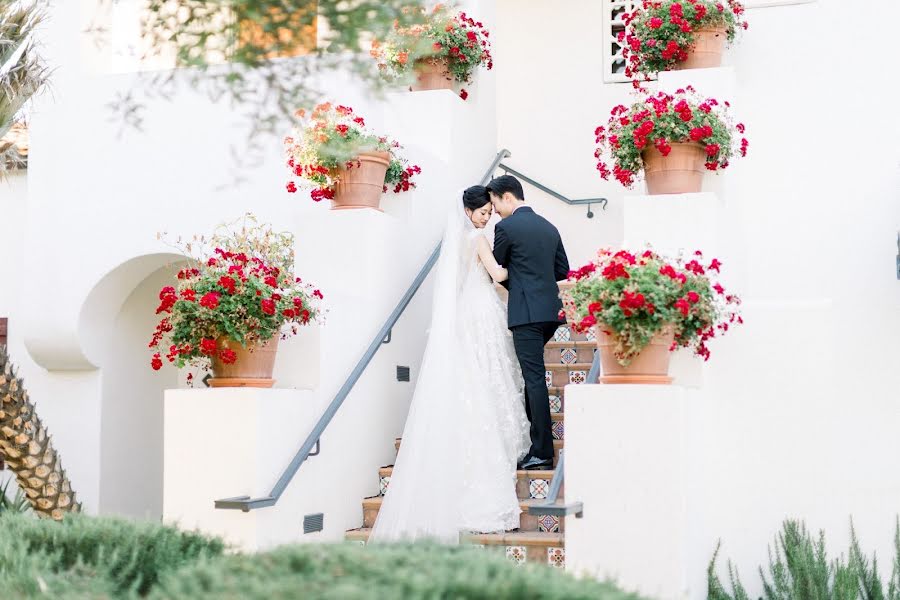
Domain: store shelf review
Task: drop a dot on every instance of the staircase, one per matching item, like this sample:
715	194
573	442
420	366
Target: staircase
539	538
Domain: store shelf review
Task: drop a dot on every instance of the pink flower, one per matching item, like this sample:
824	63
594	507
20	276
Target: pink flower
655	23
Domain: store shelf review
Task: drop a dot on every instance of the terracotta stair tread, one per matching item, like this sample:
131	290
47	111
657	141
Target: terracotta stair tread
567	367
510	538
376	502
557	444
388	470
571	344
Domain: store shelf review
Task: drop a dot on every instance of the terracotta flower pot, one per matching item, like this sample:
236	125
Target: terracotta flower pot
361	185
650	366
253	367
707	49
681	172
431	74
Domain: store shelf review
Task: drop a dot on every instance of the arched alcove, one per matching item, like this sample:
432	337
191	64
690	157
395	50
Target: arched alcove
115	326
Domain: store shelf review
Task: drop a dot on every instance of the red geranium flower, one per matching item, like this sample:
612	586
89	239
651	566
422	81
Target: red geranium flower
210	300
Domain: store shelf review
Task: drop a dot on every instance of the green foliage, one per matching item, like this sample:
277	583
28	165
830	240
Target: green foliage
800	569
259	55
14	504
86	557
22	71
111	555
350	571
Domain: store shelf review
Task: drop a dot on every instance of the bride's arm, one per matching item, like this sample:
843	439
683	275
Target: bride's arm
496	272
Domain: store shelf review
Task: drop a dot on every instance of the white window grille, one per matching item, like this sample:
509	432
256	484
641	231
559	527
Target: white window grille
613	24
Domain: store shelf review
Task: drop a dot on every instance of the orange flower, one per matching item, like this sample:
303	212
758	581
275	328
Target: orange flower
403	57
300	113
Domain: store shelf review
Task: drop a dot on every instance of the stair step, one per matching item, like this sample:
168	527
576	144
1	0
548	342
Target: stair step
557	446
527	522
530	485
554	345
586	366
520	547
559	375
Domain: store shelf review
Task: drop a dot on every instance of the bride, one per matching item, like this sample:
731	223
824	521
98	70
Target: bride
466	429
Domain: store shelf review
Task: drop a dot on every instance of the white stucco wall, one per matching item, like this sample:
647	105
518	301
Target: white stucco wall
798	405
85	252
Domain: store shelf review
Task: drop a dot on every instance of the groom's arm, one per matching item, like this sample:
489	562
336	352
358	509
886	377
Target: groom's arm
502	249
561	265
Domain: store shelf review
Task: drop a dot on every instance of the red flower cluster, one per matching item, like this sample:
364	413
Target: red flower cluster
664	119
457	40
332	131
634	296
660	33
234	294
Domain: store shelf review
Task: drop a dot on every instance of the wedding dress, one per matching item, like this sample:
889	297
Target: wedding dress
466	428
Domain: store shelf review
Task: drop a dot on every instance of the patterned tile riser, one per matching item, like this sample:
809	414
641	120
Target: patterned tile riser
561	378
564	334
555	557
581	355
545	523
523	489
527	521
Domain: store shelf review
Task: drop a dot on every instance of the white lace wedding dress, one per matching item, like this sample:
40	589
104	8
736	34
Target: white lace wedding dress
466	429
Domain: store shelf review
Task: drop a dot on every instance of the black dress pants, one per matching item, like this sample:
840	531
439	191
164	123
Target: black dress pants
529	341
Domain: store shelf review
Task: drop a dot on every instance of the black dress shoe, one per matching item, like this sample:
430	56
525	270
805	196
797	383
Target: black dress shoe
530	463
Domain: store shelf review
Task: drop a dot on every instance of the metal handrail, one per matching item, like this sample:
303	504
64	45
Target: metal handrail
550	506
581	201
245	503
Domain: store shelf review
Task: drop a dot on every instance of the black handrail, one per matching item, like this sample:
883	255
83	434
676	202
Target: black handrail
581	201
245	503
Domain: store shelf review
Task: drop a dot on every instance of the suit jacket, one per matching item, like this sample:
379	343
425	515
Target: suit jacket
530	248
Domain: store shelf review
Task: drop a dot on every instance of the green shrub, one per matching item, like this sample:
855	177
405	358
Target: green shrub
113	555
17	503
801	570
351	572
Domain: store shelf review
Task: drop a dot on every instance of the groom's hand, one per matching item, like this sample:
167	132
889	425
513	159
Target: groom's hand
502	249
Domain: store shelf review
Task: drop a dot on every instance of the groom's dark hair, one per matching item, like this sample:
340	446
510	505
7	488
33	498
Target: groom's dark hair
506	183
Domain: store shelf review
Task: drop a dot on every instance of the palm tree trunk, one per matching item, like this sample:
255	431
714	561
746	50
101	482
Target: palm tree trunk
28	451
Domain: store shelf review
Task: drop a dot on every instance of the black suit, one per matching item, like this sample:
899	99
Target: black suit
530	248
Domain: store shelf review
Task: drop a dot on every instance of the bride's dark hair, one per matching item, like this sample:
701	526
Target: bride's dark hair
475	197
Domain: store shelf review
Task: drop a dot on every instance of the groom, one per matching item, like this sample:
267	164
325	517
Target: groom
531	249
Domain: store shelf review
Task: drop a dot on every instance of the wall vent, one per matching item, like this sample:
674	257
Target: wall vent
313	523
402	373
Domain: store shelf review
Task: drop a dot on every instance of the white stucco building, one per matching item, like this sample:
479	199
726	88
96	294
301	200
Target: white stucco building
795	415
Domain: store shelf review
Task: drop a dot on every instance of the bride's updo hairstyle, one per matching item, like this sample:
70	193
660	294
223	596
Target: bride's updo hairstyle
475	197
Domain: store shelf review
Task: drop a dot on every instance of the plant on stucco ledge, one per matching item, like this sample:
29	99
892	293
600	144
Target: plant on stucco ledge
335	154
236	298
678	34
672	138
644	305
448	47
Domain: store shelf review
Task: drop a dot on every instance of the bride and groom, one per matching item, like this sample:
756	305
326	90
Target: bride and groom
481	407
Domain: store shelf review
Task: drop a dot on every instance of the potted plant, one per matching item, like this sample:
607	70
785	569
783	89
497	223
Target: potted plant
341	160
232	303
643	306
446	48
679	34
672	138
